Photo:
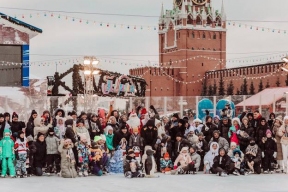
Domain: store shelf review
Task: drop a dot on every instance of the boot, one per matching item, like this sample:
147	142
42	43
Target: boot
85	174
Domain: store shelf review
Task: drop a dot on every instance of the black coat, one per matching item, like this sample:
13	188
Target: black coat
30	127
244	141
269	146
181	144
95	128
17	126
225	162
149	136
2	127
260	133
40	154
32	151
224	130
118	136
70	134
257	159
209	133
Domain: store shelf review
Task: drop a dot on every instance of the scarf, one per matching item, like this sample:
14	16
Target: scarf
252	150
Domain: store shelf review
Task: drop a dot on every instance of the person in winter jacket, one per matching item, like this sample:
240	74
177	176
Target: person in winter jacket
180	143
7	155
81	131
256	121
197	126
269	152
253	157
21	151
113	123
246	131
224	127
183	162
52	144
132	168
16	125
216	120
239	164
166	164
94	126
30	124
102	167
60	129
261	131
72	135
149	133
208	128
40	154
202	148
136	140
191	137
47	117
58	113
222	164
209	157
67	159
181	126
227	111
223	143
196	159
275	129
32	151
271	119
83	156
40	127
109	138
232	134
283	133
2	125
119	135
7	117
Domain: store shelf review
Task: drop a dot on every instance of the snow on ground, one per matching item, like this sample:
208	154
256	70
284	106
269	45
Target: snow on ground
166	183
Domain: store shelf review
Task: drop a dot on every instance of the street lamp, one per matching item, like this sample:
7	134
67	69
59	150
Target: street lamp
90	63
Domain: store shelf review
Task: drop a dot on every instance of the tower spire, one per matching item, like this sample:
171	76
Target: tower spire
162	13
223	14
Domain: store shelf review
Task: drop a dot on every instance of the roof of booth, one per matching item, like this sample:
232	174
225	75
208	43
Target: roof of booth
265	97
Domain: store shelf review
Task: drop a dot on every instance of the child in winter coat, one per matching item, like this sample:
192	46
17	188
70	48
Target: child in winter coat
222	164
183	162
209	157
82	131
196	159
109	139
32	151
131	167
102	167
21	150
83	157
52	143
253	157
136	143
166	164
269	152
238	159
67	159
60	128
232	134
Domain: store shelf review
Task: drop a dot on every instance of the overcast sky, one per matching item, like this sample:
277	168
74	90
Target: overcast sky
61	37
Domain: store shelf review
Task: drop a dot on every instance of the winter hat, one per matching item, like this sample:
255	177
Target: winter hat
73	113
176	115
29	138
237	151
150	123
245	118
14	115
200	134
179	134
182	121
166	155
143	111
197	120
225	118
33	112
216	117
124	126
82	113
69	122
237	120
97	138
268	132
93	115
222	149
186	119
184	149
39	134
80	121
1	115
233	144
108	128
194	148
50	130
216	131
135	130
130	151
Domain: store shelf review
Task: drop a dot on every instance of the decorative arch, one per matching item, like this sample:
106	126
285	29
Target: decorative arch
190	19
218	21
198	20
209	21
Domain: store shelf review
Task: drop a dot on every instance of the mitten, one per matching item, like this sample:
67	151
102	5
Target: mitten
192	163
175	167
275	154
206	128
263	155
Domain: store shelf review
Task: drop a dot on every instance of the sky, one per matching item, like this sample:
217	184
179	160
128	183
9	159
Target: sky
64	39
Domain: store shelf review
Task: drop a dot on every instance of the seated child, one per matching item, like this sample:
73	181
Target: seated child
166	164
131	166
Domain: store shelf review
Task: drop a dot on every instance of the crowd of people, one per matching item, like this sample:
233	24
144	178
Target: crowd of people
141	143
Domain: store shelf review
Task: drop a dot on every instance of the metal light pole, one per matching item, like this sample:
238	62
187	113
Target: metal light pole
90	63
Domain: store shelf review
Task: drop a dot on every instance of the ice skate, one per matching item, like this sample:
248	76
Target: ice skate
128	174
223	174
265	172
271	172
25	176
85	174
80	174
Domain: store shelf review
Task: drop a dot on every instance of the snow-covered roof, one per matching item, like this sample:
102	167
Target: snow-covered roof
19	25
265	97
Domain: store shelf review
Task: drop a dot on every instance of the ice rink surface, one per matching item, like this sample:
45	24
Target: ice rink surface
167	183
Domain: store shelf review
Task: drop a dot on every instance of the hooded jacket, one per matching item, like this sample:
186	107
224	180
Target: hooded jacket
39	128
222	161
210	155
183	158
